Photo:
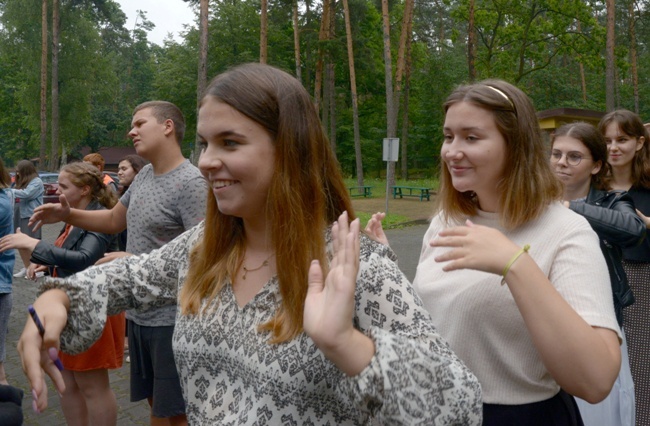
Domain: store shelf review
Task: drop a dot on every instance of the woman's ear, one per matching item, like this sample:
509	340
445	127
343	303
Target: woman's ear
597	166
639	143
85	190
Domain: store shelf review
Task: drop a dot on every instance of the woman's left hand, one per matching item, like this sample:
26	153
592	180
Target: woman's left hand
329	305
474	247
17	241
644	218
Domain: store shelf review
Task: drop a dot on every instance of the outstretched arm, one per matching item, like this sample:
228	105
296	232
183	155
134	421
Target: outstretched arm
105	221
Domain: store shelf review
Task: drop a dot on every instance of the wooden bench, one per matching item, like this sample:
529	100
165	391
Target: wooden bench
360	191
413	191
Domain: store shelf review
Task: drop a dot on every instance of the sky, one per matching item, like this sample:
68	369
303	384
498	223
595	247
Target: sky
167	15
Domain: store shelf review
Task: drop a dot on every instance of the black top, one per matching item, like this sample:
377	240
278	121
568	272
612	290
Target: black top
640	253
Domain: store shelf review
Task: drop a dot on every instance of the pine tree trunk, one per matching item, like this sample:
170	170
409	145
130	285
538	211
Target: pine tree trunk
471	43
404	38
353	91
610	81
263	32
331	86
202	75
43	150
633	55
322	36
56	27
296	40
405	112
391	113
583	79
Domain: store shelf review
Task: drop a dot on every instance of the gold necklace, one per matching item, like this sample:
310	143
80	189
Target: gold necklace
265	263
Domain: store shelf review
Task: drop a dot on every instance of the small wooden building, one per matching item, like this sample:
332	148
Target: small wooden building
551	119
112	155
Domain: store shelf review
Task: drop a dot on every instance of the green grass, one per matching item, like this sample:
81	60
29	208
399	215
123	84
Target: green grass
391	221
379	185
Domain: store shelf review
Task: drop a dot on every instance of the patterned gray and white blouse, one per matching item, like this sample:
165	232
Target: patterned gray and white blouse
231	375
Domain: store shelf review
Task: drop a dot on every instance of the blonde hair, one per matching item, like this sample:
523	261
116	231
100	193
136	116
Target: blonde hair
85	174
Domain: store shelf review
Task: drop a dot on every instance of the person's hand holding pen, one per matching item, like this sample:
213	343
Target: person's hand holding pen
39	348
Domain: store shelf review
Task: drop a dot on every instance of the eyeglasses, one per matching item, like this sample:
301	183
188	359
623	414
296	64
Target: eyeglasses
572	158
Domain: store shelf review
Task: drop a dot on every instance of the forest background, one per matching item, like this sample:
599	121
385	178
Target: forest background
71	73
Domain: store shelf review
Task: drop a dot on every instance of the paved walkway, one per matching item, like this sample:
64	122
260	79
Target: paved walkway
406	242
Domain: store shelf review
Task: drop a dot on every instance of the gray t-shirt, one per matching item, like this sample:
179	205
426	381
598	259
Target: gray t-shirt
160	208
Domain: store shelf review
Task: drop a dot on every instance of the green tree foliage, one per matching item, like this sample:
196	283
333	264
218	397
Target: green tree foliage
546	47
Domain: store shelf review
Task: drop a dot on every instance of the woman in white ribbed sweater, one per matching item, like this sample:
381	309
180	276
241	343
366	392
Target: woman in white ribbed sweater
513	280
552	324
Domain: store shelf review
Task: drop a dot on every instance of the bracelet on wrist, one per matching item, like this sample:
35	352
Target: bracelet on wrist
514	258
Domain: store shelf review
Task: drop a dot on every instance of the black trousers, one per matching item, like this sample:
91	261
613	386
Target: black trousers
561	410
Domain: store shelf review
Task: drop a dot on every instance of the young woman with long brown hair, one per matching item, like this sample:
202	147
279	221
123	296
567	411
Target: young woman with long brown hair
260	334
629	157
29	190
579	159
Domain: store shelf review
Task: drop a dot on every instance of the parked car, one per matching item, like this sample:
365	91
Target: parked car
50	185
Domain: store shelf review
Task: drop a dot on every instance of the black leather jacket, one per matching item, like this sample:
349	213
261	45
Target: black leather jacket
613	217
80	249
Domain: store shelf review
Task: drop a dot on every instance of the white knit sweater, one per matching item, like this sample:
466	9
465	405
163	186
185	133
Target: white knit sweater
480	319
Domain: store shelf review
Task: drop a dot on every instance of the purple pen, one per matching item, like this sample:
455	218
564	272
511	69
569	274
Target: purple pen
41	331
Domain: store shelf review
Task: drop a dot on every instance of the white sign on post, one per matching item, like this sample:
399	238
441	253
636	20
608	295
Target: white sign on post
391	153
391	149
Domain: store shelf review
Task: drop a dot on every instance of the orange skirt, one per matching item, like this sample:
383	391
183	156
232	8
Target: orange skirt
106	353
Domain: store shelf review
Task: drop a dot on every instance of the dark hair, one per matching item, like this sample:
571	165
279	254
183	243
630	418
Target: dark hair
164	110
594	141
307	193
136	162
85	174
5	179
528	183
632	125
25	173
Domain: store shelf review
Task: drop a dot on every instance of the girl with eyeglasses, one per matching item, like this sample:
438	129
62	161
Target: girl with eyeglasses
579	159
629	158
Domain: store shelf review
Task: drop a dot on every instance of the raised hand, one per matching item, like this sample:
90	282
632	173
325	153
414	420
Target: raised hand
329	305
474	247
38	353
375	230
50	213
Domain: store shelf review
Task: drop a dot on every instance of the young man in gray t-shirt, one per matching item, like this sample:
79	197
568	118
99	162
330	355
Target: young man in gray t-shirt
165	199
